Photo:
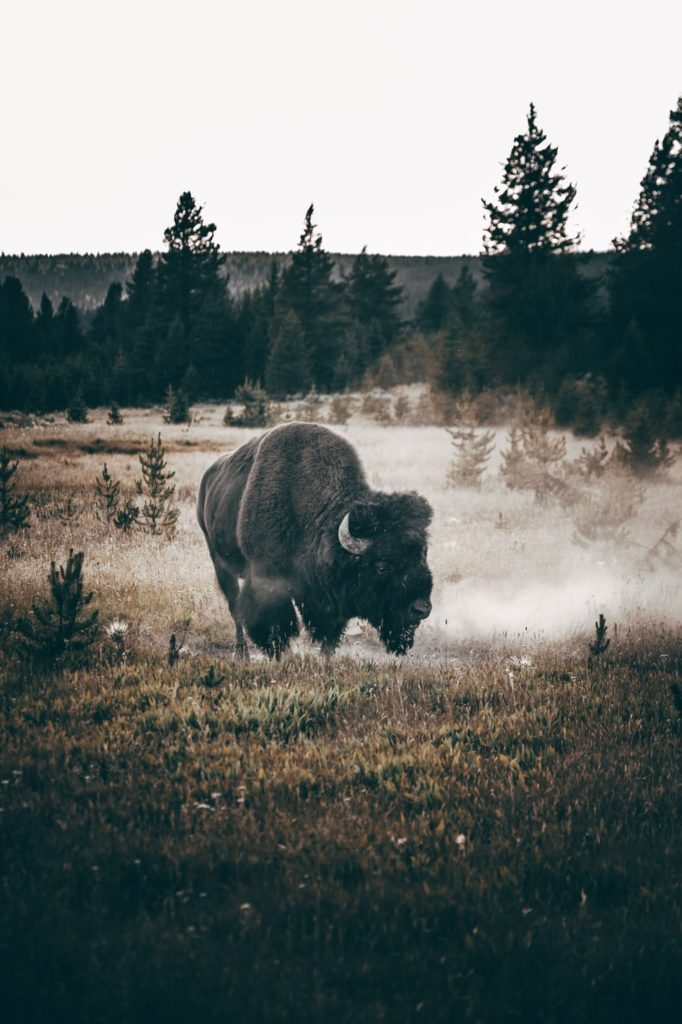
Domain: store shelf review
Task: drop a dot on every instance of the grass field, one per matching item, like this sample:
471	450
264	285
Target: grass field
488	829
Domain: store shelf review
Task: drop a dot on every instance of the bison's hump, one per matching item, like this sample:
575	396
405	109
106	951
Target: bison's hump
303	479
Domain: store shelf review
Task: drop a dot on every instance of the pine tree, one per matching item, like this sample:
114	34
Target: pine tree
647	278
308	289
472	450
107	499
646	449
189	272
158	513
288	369
14	508
77	411
67	329
61	624
177	406
434	311
17	330
539	307
373	297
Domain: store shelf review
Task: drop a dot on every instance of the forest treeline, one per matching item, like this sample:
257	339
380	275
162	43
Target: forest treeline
590	336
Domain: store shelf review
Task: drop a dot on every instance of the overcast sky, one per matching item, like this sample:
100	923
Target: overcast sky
393	116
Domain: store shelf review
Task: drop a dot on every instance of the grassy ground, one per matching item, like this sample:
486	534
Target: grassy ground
488	830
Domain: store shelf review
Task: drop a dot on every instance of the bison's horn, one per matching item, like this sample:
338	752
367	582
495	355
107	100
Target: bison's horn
356	545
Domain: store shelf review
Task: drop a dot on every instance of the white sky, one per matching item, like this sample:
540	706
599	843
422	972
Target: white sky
392	116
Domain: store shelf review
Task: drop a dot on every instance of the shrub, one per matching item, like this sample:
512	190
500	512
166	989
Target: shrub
107	498
472	451
158	514
61	624
77	410
256	411
114	417
14	508
177	406
645	450
340	410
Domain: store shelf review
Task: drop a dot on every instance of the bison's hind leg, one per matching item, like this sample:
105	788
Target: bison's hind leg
268	612
229	584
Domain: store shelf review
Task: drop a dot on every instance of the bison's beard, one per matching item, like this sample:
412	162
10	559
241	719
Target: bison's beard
397	632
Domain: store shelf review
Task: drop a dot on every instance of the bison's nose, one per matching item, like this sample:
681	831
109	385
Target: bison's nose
422	608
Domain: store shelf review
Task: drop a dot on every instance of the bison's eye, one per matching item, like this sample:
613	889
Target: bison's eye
381	568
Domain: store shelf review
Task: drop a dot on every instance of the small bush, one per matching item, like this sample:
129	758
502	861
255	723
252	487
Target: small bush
14	508
61	624
256	412
177	406
340	410
107	497
114	417
77	410
158	513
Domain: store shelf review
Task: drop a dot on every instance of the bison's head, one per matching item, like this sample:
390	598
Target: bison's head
387	535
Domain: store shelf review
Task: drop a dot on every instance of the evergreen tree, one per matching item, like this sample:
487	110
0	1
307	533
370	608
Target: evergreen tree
308	290
539	307
14	508
189	272
17	331
158	513
434	311
44	325
646	337
67	329
288	368
373	298
61	624
106	327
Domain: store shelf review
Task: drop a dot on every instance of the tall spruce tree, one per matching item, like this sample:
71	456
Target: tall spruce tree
647	279
189	272
373	300
539	307
191	293
308	289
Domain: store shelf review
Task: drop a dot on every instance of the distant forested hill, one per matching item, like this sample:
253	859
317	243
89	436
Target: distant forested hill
86	278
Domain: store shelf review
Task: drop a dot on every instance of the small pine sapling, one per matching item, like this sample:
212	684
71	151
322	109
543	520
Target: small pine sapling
14	508
107	499
339	410
114	417
177	406
472	450
77	411
158	513
601	643
127	516
256	412
61	623
645	451
402	409
514	469
592	462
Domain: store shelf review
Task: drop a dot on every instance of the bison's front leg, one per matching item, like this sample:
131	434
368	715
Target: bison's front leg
324	626
268	613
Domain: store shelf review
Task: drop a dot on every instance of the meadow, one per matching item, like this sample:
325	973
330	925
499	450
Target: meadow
488	828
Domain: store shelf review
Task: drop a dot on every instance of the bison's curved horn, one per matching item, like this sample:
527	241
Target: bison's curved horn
356	545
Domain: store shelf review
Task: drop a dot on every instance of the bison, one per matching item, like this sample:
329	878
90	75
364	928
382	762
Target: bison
292	515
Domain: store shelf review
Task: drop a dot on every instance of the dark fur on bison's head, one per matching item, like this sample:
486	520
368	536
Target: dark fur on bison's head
392	579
